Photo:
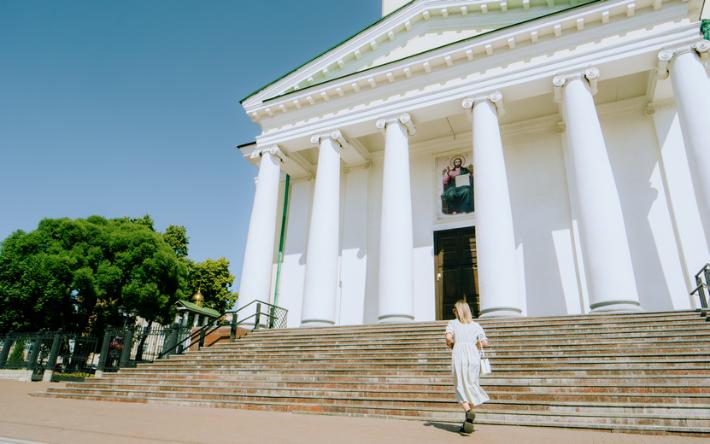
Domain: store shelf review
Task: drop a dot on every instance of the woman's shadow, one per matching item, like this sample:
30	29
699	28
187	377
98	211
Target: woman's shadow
449	427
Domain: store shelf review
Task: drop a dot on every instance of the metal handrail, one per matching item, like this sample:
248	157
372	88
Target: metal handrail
199	336
701	286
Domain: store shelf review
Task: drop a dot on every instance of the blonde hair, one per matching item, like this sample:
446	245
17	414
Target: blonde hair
463	312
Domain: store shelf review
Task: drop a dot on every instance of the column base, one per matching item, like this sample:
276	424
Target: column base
620	306
501	312
317	323
395	319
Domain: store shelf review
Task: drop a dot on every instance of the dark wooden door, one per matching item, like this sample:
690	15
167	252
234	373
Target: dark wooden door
456	265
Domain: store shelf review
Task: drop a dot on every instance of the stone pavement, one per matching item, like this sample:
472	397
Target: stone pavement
26	419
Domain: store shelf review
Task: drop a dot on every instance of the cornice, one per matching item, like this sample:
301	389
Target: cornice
389	28
536	73
564	23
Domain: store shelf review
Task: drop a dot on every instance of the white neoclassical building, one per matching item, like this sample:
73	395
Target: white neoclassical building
536	157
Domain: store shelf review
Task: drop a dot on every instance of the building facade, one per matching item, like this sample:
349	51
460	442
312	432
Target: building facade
535	157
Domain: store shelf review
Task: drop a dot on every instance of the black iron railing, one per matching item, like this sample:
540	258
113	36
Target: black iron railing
702	282
265	316
86	354
55	351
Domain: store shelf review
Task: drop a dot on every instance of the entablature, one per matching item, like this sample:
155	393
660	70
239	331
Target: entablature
567	29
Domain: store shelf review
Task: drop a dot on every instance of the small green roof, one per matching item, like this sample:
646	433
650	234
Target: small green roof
197	309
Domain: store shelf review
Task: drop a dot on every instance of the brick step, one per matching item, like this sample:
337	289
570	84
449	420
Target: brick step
550	372
667	422
440	393
530	403
695	323
443	359
607	318
276	378
435	364
700	329
690	349
630	338
680	387
634	344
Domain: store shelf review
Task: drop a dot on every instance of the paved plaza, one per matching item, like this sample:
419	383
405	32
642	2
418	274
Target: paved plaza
40	420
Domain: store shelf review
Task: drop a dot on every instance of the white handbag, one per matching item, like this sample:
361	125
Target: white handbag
485	368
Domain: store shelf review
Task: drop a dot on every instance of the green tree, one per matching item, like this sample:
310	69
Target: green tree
213	279
86	273
176	237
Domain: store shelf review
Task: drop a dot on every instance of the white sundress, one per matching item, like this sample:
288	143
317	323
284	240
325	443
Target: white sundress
466	362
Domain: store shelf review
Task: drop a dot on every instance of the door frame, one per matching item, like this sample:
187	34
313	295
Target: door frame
438	262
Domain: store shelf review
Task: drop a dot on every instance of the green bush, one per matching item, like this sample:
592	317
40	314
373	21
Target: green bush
18	352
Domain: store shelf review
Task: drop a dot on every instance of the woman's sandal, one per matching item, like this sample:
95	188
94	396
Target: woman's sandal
470	416
467	426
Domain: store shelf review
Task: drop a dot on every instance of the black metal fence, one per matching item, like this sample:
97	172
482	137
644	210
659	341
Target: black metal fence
78	355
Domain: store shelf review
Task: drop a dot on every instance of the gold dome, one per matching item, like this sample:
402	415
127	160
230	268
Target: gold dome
198	299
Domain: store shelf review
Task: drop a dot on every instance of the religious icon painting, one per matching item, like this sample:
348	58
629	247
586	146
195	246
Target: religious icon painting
456	185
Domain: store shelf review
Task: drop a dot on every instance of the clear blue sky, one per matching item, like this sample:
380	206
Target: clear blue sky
131	107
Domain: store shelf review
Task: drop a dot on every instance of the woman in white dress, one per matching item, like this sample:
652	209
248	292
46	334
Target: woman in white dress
466	338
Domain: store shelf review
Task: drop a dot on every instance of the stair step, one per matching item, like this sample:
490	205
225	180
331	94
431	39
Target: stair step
641	372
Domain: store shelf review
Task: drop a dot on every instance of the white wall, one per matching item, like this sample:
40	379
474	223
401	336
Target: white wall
540	203
634	156
354	257
293	268
692	242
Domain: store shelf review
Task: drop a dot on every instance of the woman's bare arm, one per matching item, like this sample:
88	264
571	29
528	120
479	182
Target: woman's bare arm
449	340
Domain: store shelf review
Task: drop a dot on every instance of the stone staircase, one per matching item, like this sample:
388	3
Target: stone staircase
645	372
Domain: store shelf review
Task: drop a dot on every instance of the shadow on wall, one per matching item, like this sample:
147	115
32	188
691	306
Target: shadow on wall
540	204
635	164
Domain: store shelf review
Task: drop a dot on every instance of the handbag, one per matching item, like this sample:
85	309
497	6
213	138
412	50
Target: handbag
485	368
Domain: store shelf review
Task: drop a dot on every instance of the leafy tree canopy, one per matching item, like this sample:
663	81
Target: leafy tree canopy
83	274
213	279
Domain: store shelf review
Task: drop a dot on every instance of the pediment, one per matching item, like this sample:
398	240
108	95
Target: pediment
418	27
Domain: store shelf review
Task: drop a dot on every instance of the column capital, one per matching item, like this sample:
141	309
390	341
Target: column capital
274	150
336	136
404	119
591	75
496	98
666	56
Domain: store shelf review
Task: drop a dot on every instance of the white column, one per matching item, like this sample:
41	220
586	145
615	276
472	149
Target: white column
495	236
605	247
691	88
396	292
321	283
258	254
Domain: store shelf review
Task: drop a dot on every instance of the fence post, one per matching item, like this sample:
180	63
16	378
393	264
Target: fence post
202	339
7	345
233	327
171	341
127	345
706	272
103	356
257	321
52	360
34	353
